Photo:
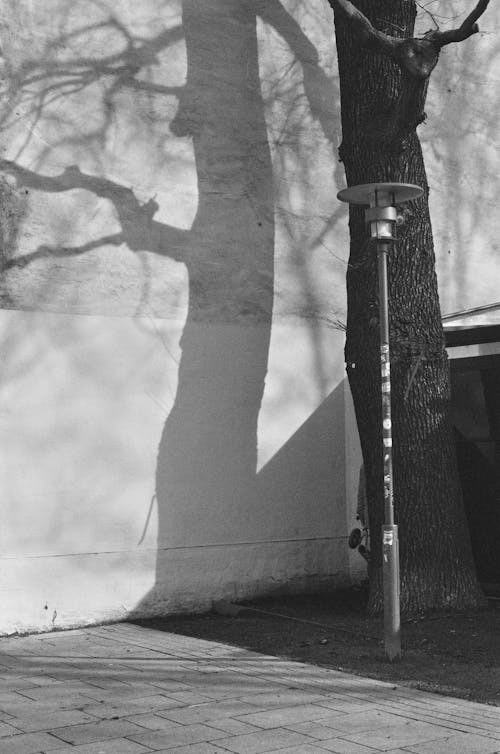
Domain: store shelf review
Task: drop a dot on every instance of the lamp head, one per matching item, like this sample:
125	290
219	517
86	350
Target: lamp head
381	198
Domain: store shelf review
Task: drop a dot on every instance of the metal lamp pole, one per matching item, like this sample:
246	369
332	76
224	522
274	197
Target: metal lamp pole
382	218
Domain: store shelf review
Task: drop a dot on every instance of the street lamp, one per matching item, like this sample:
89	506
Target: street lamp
382	218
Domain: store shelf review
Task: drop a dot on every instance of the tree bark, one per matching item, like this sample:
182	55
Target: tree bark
382	104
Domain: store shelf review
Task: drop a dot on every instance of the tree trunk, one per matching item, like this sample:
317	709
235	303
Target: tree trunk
381	107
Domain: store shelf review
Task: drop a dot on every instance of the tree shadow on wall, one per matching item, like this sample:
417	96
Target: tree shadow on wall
207	456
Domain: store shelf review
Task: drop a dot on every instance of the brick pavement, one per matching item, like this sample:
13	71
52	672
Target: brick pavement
124	689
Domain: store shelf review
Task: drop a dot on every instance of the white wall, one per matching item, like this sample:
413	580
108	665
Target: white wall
175	423
84	402
460	140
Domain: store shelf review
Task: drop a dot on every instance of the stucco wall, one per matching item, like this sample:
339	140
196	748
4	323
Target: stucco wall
84	405
173	396
174	417
461	148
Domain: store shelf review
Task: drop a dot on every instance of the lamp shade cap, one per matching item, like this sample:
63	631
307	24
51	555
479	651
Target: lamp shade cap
366	193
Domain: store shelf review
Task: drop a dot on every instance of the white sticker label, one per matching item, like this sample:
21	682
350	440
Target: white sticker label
388	538
388	442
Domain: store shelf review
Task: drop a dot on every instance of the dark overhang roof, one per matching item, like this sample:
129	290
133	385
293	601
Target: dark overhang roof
464	335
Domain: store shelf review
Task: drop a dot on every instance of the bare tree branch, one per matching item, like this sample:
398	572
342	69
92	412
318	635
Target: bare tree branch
417	56
466	30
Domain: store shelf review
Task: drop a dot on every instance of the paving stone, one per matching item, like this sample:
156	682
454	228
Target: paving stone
489	734
183	735
170	685
316	729
399	736
476	720
8	719
201	748
8	730
56	719
305	749
179	680
104	681
56	691
29	743
31	707
151	721
282	698
42	680
460	744
99	731
452	722
9	699
121	691
343	704
441	710
341	746
264	741
369	720
125	707
115	746
15	684
231	726
281	716
189	697
235	688
201	713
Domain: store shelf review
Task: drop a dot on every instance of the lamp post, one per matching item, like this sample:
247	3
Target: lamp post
382	218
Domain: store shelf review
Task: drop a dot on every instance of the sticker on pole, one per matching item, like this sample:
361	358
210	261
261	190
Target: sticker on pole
388	538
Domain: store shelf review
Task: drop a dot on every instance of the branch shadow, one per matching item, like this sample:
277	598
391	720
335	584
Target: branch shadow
207	453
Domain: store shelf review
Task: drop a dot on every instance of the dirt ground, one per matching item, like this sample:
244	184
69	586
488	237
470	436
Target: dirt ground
454	654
